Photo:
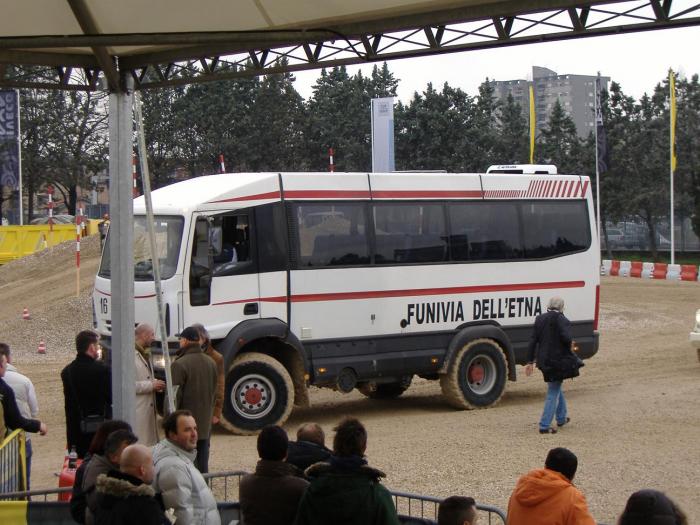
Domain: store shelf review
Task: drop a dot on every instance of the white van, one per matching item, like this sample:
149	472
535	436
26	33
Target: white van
364	281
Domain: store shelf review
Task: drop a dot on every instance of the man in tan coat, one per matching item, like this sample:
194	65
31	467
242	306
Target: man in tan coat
145	425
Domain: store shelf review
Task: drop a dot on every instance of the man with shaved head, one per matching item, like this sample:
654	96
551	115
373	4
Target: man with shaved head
125	496
146	385
309	448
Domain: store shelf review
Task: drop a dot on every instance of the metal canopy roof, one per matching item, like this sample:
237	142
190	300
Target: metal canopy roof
167	42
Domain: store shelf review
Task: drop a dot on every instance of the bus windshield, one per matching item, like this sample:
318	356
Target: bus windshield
168	231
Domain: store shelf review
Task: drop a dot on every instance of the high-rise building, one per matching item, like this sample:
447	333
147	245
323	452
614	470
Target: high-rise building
575	93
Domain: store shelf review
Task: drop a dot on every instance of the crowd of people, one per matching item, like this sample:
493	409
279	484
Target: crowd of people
133	475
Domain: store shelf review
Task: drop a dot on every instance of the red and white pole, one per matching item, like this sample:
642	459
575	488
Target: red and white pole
49	190
331	165
78	228
222	166
135	191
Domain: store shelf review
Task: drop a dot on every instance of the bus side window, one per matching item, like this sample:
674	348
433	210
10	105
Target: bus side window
236	254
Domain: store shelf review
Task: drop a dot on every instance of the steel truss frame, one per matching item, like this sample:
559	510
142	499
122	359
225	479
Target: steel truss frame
200	57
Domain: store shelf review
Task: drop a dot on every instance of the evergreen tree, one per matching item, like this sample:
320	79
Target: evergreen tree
512	142
559	143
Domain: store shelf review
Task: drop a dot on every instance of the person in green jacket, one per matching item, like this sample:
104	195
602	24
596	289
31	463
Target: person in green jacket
345	490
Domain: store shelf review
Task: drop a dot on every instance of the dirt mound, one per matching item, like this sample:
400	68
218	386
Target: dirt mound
45	283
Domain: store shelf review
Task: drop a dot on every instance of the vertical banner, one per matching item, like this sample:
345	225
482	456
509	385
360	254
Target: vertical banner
383	134
672	154
532	125
672	89
9	138
601	138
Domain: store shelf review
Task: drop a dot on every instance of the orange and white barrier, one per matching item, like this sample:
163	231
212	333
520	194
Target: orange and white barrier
25	314
650	270
42	347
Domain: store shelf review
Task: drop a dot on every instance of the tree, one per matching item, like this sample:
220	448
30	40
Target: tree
276	132
688	150
161	132
559	142
432	130
78	141
339	118
512	145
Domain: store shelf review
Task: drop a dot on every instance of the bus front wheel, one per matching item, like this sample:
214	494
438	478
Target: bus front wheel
477	375
259	392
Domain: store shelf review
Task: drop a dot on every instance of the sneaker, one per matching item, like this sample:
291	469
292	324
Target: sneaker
564	423
548	430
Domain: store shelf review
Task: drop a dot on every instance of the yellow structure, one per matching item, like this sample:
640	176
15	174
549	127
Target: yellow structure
18	241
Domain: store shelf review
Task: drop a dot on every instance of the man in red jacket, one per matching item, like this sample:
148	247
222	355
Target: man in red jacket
547	496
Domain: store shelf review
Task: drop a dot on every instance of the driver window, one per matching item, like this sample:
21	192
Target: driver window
200	267
235	243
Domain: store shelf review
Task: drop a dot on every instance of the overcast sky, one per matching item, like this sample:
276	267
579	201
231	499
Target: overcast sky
638	61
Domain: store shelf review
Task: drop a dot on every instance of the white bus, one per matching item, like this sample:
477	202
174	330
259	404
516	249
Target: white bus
364	281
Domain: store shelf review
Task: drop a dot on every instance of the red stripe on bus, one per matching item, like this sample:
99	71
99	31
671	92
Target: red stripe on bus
257	196
585	188
381	294
561	183
275	299
427	194
135	296
325	194
571	188
565	189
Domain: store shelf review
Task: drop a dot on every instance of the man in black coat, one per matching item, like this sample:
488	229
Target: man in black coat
309	448
550	342
125	496
12	418
87	390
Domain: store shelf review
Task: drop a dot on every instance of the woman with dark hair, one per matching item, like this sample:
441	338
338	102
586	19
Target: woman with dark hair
78	502
346	489
652	507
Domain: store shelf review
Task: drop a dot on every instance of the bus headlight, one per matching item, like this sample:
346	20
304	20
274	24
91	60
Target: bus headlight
159	361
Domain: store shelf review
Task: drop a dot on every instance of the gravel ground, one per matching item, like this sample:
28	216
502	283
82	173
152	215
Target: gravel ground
634	409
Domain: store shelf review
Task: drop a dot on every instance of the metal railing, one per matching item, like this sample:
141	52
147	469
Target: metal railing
13	463
426	507
225	486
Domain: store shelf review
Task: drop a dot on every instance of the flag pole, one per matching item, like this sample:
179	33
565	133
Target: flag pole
598	115
672	156
532	125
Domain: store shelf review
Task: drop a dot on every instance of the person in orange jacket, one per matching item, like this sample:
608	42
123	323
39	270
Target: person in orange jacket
547	496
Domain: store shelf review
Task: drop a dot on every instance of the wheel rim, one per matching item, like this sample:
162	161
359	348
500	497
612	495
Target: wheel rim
481	374
253	396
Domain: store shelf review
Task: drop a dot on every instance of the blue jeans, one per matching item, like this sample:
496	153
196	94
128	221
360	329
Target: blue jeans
554	403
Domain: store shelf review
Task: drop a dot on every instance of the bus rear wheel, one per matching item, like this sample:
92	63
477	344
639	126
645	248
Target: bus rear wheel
477	375
385	390
259	392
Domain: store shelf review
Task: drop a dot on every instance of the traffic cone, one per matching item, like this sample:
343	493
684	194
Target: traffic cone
25	314
42	347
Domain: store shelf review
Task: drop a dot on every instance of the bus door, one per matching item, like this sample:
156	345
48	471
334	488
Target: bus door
221	277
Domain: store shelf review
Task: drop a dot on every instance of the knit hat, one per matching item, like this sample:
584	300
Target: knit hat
649	507
189	333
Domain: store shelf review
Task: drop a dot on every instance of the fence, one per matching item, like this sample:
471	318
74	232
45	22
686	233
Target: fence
13	463
18	241
412	508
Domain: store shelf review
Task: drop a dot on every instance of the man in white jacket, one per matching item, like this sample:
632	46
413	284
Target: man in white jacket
146	385
25	395
177	479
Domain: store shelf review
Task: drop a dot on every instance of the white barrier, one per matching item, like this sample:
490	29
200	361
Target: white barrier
647	270
674	272
605	267
625	267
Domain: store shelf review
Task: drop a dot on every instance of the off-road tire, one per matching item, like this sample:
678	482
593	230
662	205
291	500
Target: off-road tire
385	390
490	357
269	379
